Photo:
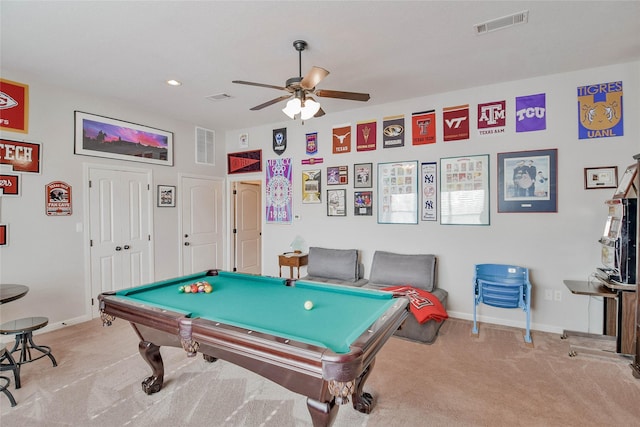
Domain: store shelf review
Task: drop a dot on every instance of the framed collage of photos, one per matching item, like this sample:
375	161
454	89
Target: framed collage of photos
398	193
363	203
528	181
464	190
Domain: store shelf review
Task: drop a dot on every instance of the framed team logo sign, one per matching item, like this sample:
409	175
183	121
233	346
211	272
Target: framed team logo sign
14	106
58	199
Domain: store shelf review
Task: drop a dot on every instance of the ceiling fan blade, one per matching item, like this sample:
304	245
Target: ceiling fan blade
313	77
320	113
242	82
353	96
273	101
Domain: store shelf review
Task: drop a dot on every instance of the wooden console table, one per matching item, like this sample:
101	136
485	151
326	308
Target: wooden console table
292	259
619	310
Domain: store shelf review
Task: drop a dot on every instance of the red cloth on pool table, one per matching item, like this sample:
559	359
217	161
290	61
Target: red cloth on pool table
424	306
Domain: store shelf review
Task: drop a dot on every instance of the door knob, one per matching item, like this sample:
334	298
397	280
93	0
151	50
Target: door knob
126	247
186	243
118	248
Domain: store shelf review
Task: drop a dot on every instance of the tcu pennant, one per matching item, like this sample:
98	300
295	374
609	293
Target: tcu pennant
600	110
279	141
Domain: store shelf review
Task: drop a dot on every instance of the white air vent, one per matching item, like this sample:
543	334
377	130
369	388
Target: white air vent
504	22
218	97
205	145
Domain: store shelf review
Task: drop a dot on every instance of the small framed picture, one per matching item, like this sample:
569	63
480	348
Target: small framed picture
336	202
166	196
603	177
362	175
337	175
363	203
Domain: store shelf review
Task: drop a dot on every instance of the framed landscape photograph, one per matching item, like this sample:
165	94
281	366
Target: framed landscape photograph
363	175
336	202
528	181
116	139
166	196
603	177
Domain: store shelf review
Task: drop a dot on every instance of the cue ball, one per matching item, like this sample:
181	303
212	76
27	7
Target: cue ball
308	305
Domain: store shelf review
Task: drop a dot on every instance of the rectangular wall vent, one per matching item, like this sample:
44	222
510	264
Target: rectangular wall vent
218	97
504	22
205	146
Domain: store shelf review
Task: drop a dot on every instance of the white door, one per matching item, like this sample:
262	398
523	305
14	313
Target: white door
202	224
248	227
120	222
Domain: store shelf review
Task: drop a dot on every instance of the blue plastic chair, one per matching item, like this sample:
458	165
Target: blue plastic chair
503	286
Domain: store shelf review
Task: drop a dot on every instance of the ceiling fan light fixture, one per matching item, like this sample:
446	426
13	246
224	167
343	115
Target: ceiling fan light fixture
293	107
309	109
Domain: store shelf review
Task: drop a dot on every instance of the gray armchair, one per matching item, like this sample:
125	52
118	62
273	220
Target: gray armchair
338	266
419	271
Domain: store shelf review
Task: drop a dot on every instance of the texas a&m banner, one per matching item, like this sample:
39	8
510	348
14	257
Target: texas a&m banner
600	110
492	118
455	123
423	127
14	106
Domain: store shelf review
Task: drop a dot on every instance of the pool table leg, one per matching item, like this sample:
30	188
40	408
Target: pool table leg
363	401
151	354
322	413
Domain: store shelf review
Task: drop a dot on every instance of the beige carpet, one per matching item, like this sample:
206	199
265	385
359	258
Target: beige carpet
461	380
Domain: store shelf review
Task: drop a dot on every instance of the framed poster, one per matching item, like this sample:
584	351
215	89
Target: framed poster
278	191
464	190
398	193
336	202
363	175
603	177
429	191
166	196
58	199
363	203
311	186
528	181
337	175
116	139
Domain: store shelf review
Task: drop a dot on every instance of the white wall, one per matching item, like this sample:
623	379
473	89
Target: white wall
555	246
47	253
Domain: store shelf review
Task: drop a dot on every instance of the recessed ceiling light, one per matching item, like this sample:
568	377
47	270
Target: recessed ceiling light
174	82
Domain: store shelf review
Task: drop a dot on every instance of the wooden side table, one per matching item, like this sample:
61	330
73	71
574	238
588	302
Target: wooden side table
292	259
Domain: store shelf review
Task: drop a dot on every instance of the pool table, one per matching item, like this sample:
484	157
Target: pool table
260	323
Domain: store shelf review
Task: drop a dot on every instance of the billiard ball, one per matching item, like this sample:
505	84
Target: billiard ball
308	305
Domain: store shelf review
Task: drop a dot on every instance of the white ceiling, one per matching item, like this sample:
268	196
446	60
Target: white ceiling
393	50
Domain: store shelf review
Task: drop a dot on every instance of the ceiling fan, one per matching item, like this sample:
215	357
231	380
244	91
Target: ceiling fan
300	90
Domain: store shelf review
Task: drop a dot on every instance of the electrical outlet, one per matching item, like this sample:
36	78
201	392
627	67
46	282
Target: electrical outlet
548	294
557	296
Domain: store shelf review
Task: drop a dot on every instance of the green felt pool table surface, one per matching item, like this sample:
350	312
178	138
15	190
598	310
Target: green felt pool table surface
340	314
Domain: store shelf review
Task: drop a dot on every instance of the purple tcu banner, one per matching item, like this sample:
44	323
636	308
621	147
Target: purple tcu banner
278	191
531	113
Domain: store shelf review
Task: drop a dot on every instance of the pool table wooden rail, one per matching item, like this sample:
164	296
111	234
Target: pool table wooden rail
325	377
